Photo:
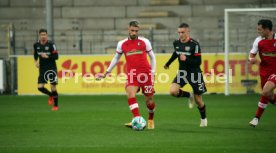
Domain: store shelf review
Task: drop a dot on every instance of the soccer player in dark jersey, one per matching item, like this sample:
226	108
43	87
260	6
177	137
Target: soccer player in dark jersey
45	56
265	45
188	52
139	71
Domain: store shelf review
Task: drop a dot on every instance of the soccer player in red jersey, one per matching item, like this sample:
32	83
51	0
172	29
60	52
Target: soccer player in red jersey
265	45
140	73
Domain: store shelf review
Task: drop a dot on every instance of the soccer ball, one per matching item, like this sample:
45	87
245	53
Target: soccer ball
138	123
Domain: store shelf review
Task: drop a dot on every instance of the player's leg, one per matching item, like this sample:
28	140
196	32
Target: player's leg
131	95
148	91
151	108
261	107
267	88
199	88
45	91
132	103
55	97
177	92
41	82
202	110
42	89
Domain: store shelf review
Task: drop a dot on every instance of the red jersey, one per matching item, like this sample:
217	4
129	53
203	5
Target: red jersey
135	52
267	53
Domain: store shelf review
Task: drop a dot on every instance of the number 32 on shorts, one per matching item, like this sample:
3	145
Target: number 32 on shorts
148	89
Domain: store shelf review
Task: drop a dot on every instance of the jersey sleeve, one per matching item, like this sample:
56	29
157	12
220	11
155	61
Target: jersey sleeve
255	47
173	56
54	52
148	45
35	53
119	49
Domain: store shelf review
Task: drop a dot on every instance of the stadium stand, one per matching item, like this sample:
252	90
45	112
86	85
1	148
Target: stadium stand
96	25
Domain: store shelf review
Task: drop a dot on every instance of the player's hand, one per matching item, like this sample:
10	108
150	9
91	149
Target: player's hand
166	67
253	61
44	55
100	76
37	64
183	57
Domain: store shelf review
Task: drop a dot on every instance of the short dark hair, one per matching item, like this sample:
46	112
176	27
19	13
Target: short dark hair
42	30
266	24
183	25
134	23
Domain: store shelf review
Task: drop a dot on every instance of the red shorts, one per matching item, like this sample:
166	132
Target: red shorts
272	78
142	80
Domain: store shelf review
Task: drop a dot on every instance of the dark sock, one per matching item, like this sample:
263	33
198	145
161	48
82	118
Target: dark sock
45	91
55	96
202	112
182	93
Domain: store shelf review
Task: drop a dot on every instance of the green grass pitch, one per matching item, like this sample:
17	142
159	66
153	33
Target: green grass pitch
94	124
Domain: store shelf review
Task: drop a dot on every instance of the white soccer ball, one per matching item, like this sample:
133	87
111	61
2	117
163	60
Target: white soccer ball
138	123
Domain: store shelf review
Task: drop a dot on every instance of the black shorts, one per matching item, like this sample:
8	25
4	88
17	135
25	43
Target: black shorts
46	76
195	79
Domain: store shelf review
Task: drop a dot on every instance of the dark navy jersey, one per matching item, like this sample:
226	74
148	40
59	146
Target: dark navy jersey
191	50
50	49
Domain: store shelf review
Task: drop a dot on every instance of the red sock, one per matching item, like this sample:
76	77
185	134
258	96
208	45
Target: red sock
151	107
262	105
133	106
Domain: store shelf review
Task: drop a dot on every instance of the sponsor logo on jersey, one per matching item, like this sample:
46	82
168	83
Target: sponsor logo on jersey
139	44
269	54
134	52
187	48
182	53
47	53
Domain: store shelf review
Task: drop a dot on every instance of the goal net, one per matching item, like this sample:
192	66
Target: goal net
240	33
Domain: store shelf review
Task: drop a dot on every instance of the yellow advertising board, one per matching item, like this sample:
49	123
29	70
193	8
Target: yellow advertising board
76	74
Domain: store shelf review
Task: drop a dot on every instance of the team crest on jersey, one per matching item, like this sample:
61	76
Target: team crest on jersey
274	44
47	48
139	44
187	48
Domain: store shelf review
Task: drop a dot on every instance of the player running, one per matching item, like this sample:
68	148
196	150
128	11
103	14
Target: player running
45	56
139	71
188	52
265	45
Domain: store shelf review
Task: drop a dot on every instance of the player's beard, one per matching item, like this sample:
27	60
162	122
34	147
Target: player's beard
132	37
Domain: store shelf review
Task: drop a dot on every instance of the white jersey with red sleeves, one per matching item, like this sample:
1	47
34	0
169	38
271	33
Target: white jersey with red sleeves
135	52
267	52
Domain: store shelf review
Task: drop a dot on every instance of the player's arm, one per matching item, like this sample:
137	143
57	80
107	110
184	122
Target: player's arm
151	56
36	57
252	58
173	57
195	58
113	63
54	53
152	61
253	52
